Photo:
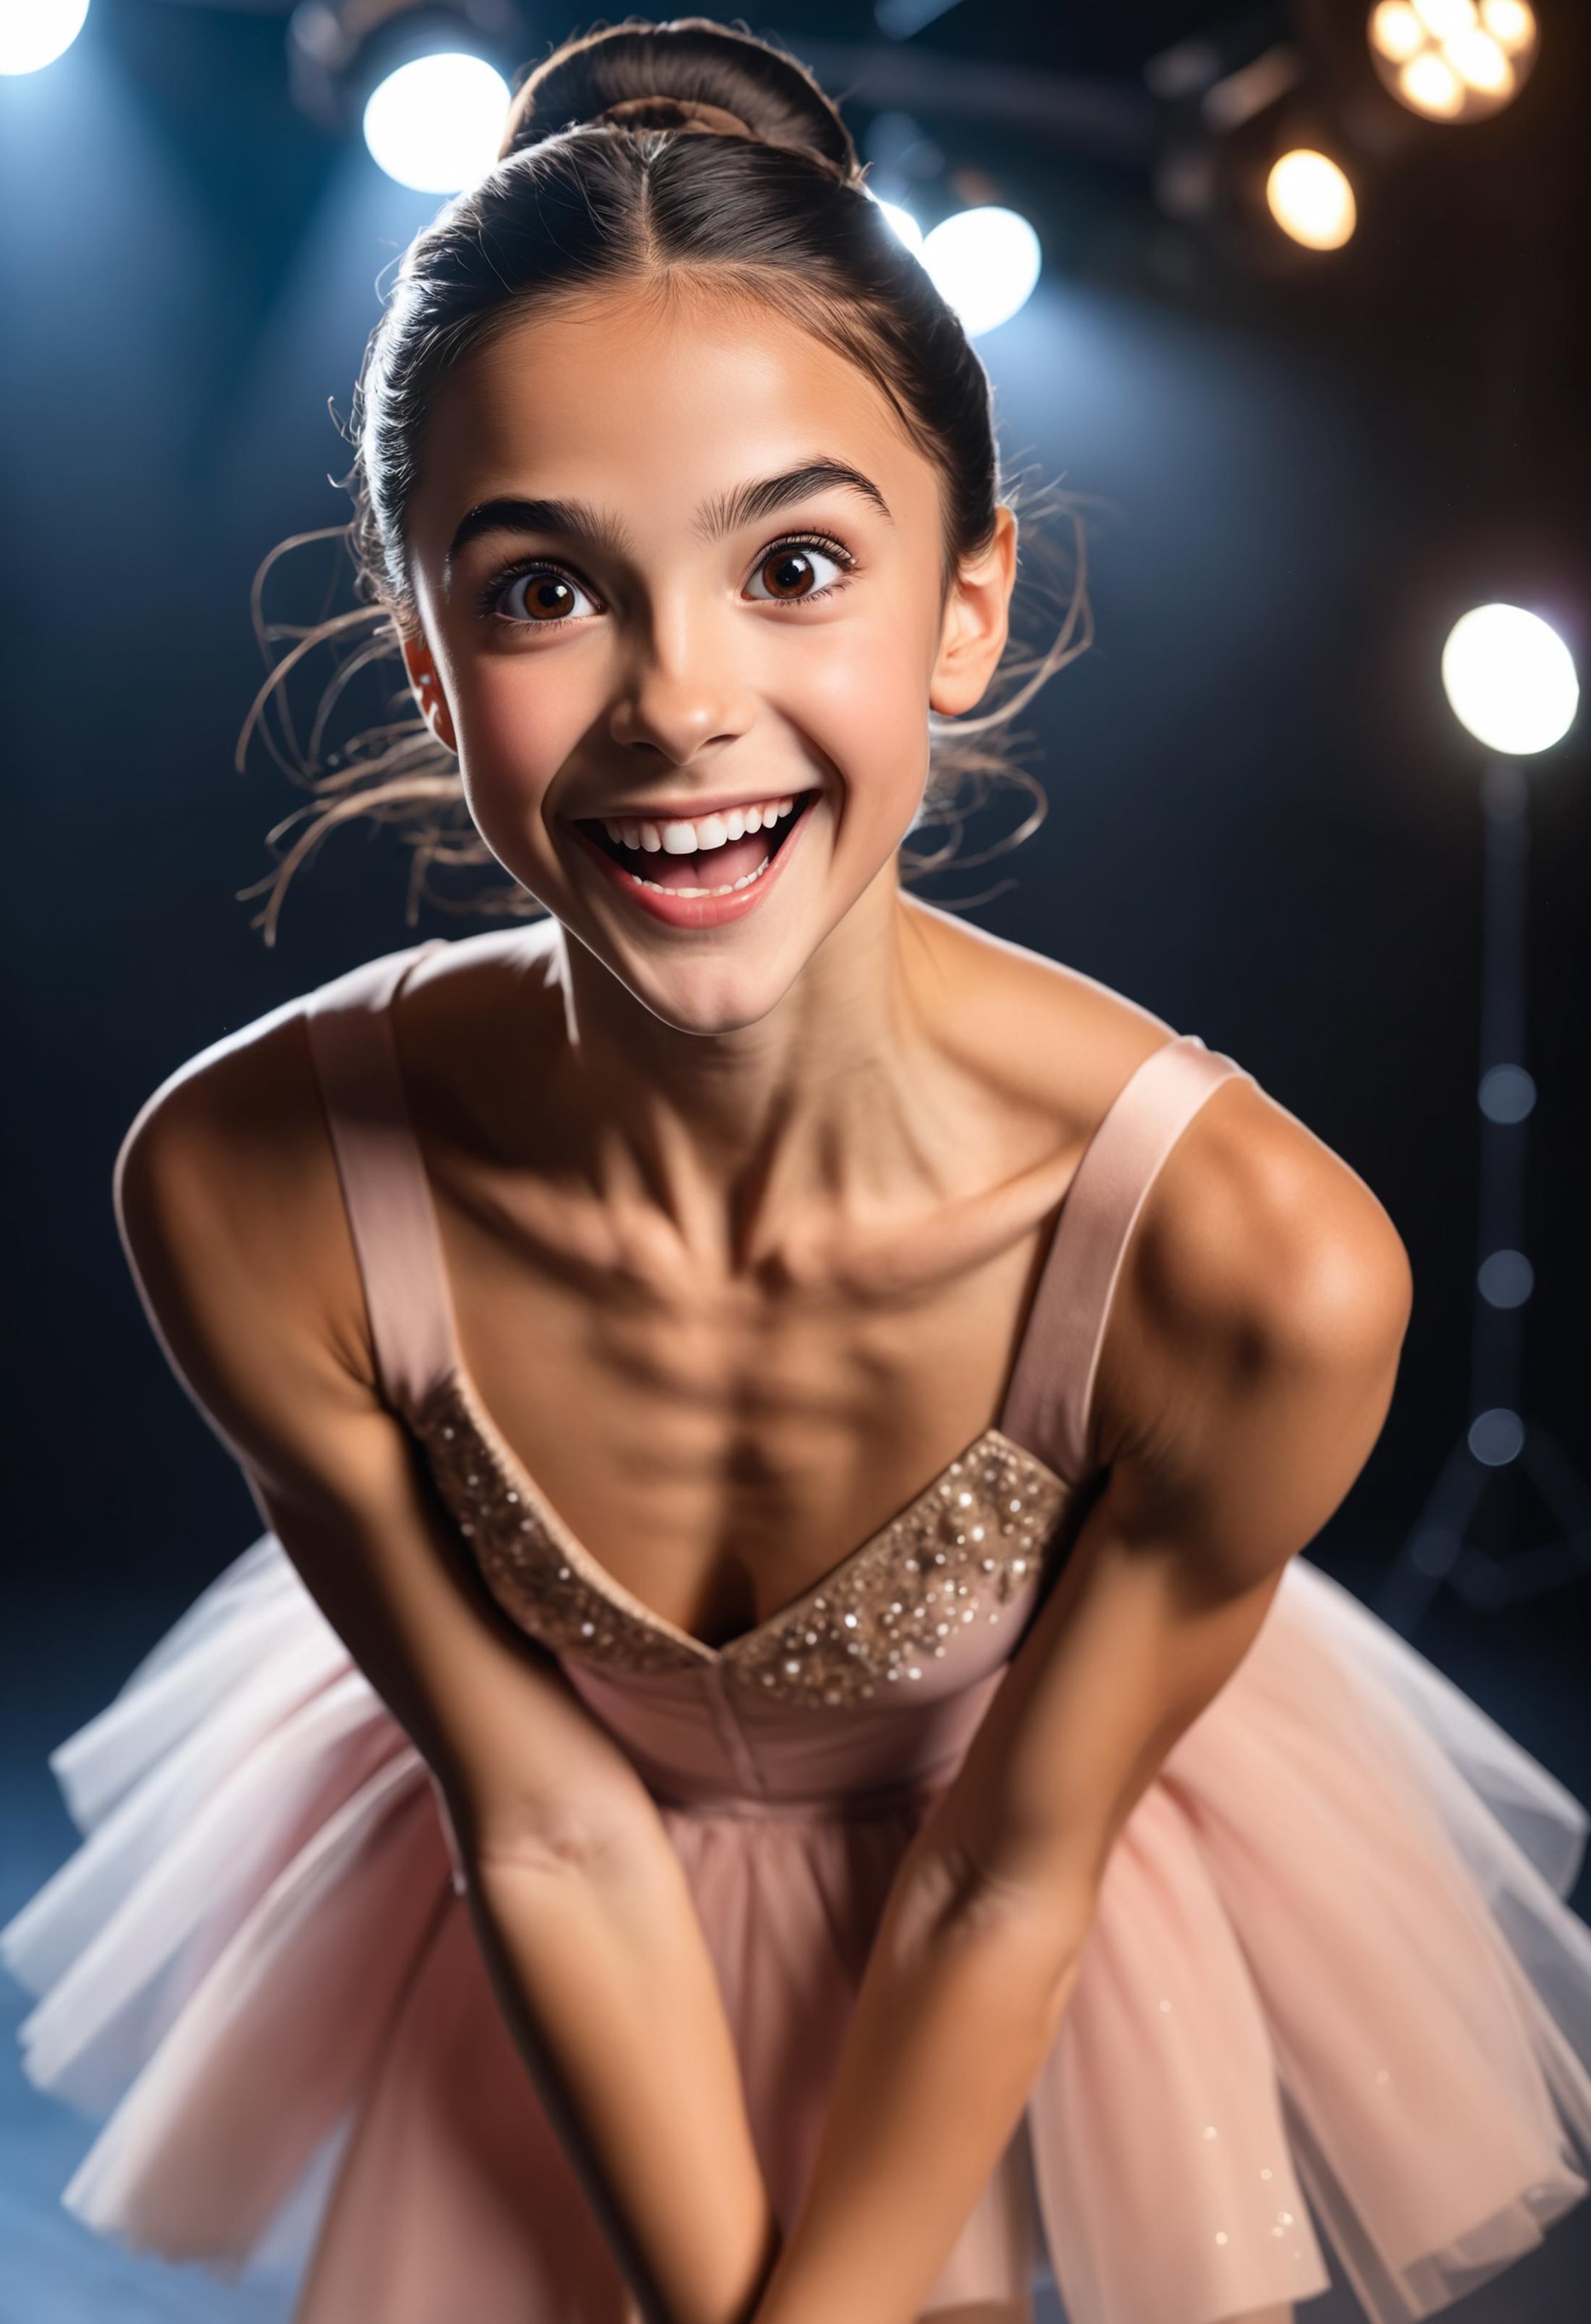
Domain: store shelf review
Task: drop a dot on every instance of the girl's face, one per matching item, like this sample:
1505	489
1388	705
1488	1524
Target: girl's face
679	573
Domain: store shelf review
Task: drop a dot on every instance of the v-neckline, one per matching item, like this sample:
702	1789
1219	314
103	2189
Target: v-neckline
1023	1400
462	1383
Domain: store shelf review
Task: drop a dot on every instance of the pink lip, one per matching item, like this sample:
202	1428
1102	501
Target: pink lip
677	911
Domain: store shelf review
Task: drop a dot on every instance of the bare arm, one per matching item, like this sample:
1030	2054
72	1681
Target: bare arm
234	1229
1249	1366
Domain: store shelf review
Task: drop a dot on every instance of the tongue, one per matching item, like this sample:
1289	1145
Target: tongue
719	867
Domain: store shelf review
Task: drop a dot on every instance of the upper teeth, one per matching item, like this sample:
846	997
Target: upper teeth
708	832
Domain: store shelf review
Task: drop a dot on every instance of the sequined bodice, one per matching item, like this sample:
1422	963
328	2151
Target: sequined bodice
966	1553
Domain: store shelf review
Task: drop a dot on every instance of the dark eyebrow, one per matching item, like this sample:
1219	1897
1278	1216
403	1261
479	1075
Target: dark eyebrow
727	511
570	519
724	514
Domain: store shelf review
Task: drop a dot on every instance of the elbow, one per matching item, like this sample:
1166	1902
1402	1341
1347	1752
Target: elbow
1030	1930
514	1837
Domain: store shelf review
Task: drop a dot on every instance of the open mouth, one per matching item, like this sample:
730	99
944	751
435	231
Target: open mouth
714	855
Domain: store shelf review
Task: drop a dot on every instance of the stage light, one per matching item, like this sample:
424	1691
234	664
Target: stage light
1510	680
1396	32
1311	199
985	263
435	124
1510	22
1453	59
34	33
1427	84
904	224
1443	18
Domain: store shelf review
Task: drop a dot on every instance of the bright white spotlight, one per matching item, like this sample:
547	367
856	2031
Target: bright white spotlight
34	33
436	124
1453	59
1511	679
904	224
1311	199
984	262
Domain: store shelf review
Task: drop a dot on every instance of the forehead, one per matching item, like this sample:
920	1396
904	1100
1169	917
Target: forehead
655	403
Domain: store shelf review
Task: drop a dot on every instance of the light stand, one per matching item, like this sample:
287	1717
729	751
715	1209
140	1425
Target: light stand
1439	1551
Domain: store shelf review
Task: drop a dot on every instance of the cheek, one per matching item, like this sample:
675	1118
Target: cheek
858	692
519	718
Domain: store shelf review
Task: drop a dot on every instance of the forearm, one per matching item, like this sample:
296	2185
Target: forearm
956	2012
611	1995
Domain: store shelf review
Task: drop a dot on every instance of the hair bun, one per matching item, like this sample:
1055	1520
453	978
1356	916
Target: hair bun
674	113
690	74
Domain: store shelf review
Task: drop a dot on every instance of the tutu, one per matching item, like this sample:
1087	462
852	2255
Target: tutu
1346	1882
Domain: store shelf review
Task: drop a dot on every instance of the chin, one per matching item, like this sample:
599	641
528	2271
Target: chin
709	998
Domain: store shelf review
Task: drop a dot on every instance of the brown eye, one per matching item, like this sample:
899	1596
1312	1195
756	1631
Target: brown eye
543	600
549	599
788	574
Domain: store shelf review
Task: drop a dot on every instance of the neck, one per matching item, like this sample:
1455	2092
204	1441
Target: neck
816	1108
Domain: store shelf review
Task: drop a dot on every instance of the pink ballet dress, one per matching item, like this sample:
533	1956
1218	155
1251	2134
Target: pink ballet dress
1331	1991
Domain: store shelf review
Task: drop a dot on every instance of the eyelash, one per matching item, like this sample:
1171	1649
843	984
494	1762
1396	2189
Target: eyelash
497	588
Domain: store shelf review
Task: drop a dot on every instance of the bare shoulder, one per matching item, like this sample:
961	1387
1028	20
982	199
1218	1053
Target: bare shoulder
1256	1229
1253	1222
1259	1317
226	1188
231	1213
1034	1032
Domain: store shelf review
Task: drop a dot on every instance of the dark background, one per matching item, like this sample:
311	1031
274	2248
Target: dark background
1263	820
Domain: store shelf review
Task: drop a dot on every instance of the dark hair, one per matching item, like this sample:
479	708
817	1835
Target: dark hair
663	155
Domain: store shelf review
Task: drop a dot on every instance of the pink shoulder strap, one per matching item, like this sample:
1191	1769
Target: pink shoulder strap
1050	1393
391	1213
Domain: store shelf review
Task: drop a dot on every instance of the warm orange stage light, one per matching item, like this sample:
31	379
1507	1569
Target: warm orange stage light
1453	59
1310	199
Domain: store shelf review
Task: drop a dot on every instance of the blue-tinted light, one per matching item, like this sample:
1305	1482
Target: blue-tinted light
904	225
1505	1279
1496	1437
1507	1094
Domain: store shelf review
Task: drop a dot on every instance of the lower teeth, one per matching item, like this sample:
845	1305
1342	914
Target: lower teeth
729	890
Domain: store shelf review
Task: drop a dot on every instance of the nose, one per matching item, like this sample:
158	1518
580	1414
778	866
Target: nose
682	692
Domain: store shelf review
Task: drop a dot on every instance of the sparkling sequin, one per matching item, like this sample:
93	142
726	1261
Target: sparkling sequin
865	1629
534	1568
861	1633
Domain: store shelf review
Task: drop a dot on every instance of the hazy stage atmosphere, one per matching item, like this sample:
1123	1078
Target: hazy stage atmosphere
1287	807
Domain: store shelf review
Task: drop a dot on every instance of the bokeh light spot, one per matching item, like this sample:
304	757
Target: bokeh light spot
436	124
985	263
1311	199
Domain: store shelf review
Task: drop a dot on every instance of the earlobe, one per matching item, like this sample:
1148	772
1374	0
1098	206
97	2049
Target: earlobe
976	622
426	689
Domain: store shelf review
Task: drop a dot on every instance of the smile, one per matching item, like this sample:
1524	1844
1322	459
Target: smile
699	870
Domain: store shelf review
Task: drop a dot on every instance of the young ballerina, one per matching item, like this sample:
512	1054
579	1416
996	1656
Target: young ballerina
554	1874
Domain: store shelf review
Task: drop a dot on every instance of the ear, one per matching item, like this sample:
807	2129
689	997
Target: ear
426	689
976	622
